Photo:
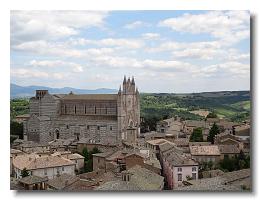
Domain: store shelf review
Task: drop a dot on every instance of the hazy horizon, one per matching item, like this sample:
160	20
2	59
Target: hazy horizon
139	90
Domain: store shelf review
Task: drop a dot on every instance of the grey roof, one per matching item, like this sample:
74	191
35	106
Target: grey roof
29	180
145	179
177	159
195	123
90	97
166	146
219	183
153	162
140	179
62	181
103	154
208	150
118	185
229	149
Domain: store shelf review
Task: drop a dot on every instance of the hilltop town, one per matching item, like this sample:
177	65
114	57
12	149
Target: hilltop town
96	142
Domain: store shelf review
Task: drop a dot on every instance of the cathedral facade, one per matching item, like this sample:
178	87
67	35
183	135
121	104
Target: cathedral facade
102	118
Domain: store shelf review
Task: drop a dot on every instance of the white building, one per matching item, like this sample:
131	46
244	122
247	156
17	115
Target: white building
43	166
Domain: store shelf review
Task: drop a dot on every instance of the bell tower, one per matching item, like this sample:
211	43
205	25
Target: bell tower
128	111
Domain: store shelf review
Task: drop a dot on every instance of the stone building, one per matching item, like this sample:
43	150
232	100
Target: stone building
108	118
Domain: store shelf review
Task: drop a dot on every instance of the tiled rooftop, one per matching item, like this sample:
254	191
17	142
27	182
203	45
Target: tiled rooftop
33	161
204	150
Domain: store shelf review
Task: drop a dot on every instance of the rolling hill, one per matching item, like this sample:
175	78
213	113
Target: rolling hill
17	91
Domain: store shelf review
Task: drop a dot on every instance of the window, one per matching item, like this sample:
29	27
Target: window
98	128
111	128
179	177
62	168
194	169
85	109
75	109
98	160
45	171
88	127
179	169
194	176
67	126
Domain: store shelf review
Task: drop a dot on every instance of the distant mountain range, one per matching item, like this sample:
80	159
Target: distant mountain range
29	91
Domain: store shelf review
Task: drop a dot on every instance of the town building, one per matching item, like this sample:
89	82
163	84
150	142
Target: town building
230	181
42	166
205	153
177	167
135	179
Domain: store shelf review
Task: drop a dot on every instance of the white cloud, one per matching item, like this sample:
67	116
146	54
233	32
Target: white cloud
27	73
205	53
149	36
111	42
41	25
229	26
136	24
34	73
56	63
226	69
172	65
59	49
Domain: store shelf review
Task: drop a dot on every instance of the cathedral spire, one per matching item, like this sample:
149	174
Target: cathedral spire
133	81
137	91
124	79
119	91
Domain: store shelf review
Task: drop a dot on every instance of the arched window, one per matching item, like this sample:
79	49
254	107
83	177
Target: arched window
75	109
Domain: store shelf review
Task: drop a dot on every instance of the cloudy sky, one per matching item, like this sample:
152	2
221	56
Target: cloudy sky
166	51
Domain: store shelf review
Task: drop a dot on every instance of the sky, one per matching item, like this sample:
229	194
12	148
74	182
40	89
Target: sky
166	51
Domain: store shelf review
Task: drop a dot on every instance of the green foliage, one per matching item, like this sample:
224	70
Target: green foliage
16	129
88	158
18	107
86	154
12	139
235	163
157	106
25	172
196	135
212	115
213	131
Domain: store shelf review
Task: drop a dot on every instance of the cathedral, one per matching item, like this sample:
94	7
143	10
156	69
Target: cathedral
101	118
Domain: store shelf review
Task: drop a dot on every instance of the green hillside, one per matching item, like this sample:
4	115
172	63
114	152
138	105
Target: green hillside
231	105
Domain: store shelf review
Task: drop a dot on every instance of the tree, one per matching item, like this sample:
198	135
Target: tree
95	150
213	132
86	154
212	115
88	158
16	129
25	172
196	135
